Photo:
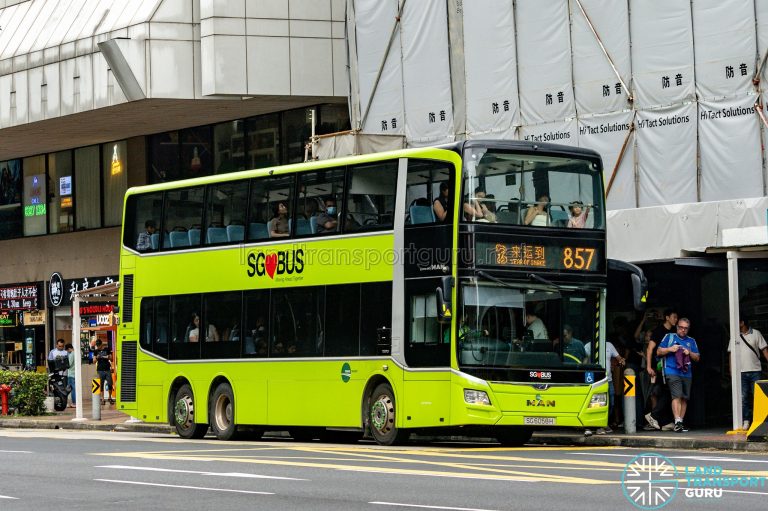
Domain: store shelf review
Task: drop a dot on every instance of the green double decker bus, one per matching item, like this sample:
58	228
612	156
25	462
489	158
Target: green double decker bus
457	289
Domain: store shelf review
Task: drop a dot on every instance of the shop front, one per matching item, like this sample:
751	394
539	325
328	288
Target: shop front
22	325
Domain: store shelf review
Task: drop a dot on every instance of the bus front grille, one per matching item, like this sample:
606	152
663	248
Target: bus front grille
128	371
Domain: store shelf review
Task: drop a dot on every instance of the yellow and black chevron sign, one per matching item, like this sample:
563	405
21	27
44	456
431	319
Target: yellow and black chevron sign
759	429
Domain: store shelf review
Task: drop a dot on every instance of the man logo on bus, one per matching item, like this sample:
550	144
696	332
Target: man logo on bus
277	263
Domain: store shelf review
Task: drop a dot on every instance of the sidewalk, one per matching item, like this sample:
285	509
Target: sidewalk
114	420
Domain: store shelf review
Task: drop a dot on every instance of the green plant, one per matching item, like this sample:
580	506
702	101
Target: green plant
27	391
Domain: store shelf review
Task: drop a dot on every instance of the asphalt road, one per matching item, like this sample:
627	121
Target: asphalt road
45	469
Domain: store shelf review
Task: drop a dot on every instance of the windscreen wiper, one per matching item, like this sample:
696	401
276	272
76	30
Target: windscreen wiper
539	278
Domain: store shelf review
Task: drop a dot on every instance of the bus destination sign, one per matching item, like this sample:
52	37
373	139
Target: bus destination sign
543	253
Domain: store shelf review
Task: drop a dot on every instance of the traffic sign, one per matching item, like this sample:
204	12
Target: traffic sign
96	386
629	385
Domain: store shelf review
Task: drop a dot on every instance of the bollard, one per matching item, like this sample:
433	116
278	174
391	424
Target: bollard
630	416
4	391
96	400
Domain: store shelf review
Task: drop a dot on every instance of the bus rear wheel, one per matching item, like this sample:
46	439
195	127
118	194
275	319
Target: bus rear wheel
514	436
223	412
184	414
382	419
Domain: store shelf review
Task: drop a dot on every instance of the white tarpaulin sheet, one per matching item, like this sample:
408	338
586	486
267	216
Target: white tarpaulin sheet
730	149
374	22
662	51
596	85
761	11
544	61
490	63
427	73
666	155
725	44
559	132
606	135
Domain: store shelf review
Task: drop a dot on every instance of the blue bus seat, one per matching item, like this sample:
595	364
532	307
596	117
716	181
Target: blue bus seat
194	237
235	232
155	240
216	235
303	226
179	239
422	215
258	231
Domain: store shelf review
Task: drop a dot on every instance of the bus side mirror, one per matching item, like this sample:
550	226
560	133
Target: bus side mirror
444	304
639	292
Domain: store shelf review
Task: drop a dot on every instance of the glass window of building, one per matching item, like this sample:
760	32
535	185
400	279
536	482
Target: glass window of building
296	132
228	147
183	218
225	213
164	157
35	196
263	141
271	203
332	119
371	196
10	199
196	152
61	217
115	170
88	188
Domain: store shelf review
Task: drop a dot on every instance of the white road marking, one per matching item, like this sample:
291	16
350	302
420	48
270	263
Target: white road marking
695	458
7	497
17	452
742	491
183	487
219	474
428	507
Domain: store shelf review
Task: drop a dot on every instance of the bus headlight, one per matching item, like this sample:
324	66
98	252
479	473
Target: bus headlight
599	400
476	397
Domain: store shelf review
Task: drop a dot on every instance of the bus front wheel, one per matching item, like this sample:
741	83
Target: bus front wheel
382	419
223	412
184	414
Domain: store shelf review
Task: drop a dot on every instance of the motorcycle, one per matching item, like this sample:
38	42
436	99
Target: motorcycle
58	387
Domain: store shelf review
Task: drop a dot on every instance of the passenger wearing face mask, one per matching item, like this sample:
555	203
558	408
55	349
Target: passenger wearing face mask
327	221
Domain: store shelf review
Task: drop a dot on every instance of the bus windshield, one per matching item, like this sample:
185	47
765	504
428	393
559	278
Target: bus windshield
535	190
503	326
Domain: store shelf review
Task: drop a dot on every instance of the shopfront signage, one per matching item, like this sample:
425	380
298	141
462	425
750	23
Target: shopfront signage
32	318
89	310
72	286
19	297
8	319
56	289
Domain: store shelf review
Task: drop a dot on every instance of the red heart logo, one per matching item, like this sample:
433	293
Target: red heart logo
270	263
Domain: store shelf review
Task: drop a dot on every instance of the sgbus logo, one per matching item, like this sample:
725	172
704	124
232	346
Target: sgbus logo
284	262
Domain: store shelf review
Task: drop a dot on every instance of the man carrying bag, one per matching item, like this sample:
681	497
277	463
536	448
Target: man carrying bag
752	343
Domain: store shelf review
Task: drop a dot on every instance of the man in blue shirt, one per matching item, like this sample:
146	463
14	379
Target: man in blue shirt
679	351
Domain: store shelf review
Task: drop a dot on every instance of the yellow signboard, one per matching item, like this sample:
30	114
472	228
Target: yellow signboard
629	385
96	386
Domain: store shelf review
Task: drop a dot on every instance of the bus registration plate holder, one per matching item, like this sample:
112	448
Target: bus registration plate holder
539	421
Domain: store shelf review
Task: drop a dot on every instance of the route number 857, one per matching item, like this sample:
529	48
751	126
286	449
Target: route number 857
578	258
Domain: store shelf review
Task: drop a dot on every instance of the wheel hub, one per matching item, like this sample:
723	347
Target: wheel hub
183	411
380	414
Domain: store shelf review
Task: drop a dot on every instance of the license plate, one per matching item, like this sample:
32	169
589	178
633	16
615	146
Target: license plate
539	421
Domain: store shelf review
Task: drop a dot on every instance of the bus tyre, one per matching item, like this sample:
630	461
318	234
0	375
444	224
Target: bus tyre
184	414
382	417
223	412
513	436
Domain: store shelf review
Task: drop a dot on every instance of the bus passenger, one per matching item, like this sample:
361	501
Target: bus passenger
442	205
279	222
327	220
536	326
474	209
144	243
193	330
579	215
538	214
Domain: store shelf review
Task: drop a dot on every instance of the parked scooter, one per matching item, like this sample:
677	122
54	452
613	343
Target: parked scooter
57	382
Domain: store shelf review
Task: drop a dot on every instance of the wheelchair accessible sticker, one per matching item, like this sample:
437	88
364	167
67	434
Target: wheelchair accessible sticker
589	377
